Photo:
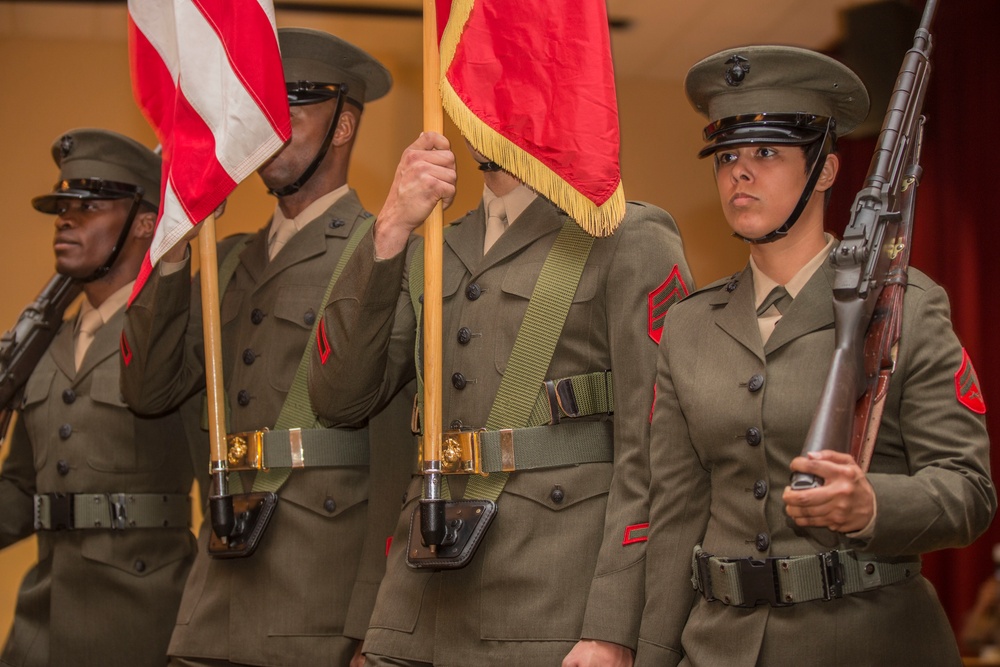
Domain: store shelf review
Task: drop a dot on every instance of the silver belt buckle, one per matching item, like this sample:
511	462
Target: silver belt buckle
118	510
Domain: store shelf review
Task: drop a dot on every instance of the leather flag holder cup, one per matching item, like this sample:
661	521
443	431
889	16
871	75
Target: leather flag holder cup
252	512
466	523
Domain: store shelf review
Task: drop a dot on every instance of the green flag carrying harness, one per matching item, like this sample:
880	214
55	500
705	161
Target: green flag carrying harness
322	446
524	399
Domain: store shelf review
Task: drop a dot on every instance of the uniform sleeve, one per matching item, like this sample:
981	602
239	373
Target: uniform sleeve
680	498
163	360
368	335
946	498
17	487
648	272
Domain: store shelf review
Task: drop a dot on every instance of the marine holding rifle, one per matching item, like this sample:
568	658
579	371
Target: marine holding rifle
106	491
739	571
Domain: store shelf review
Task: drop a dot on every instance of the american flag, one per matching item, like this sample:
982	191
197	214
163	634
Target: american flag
207	75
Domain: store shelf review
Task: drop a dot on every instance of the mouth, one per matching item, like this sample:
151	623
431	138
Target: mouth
63	243
741	199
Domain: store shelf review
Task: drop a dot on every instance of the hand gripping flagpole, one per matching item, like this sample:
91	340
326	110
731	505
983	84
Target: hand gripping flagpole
432	505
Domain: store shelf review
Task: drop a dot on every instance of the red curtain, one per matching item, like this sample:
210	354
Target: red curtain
956	237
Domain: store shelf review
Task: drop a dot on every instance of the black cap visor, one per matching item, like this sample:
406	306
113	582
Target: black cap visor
313	92
85	188
781	129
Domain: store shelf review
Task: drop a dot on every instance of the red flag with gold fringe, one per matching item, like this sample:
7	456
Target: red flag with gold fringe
531	85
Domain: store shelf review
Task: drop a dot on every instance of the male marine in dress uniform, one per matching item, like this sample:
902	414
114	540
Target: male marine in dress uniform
105	490
530	592
736	392
304	596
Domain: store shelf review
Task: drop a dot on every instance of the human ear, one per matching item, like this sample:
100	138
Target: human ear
828	174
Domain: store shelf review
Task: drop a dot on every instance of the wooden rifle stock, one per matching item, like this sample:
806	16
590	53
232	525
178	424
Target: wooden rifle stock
22	346
870	276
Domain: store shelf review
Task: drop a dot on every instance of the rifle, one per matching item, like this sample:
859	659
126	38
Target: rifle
870	274
22	346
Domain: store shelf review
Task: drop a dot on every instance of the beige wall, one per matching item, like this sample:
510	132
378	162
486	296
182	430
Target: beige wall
48	85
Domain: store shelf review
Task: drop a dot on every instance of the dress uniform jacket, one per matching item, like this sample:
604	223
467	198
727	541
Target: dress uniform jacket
531	589
96	597
295	600
730	415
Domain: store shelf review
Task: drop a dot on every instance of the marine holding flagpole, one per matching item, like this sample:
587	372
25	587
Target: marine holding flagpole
291	580
550	322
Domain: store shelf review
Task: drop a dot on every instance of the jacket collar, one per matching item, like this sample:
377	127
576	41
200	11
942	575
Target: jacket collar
105	344
338	221
810	311
541	218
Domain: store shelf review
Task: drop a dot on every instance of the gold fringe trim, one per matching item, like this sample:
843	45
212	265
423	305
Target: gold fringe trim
457	18
596	220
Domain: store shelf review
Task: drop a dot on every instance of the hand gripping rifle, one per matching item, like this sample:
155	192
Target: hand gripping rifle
23	345
870	275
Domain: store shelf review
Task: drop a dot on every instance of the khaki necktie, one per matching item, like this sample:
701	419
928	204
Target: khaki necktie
496	223
285	231
778	297
781	300
90	322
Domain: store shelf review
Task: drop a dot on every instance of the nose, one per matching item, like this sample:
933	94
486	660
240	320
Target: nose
63	220
741	171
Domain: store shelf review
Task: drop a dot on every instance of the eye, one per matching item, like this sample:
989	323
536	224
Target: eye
724	157
766	151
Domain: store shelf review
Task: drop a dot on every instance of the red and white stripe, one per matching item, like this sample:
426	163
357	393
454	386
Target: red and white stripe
207	75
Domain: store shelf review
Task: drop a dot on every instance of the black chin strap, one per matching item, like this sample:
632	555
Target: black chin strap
814	173
314	165
103	269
